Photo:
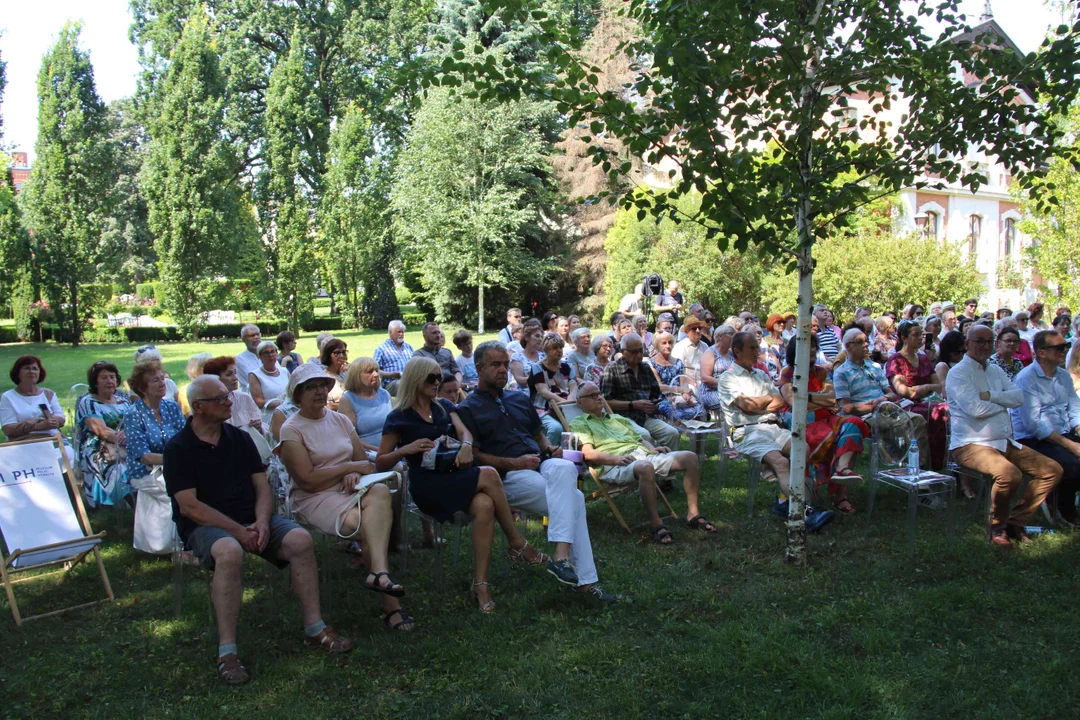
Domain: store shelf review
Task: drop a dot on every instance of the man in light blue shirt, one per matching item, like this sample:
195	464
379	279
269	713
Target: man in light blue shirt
392	356
1047	422
513	317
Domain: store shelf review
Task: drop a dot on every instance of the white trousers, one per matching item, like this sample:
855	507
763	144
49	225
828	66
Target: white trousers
553	492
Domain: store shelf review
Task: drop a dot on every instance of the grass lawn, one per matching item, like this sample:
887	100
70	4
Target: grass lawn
710	627
67	366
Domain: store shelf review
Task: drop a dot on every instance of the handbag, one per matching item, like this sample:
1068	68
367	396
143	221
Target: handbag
442	458
358	495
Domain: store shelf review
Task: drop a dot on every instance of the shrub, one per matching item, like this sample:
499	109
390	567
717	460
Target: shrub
322	324
414	319
9	335
323	302
145	291
156	311
404	296
94	297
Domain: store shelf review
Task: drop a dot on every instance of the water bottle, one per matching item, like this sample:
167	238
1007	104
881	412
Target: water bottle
913	459
1037	530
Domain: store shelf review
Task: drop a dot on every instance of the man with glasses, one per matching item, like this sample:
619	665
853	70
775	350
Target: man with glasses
433	348
980	398
513	317
508	436
690	348
860	386
223	510
1049	420
751	403
613	443
632	390
248	361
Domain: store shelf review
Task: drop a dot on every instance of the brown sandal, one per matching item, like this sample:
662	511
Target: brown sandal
230	671
329	641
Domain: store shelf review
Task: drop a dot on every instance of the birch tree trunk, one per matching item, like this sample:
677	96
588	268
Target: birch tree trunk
480	294
796	524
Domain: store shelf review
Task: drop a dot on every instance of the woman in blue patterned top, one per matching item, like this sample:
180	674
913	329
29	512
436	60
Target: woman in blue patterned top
150	421
99	423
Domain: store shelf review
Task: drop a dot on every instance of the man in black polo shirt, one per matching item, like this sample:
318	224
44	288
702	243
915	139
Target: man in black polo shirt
508	436
223	509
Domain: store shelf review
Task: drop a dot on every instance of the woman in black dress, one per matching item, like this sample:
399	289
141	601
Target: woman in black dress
411	429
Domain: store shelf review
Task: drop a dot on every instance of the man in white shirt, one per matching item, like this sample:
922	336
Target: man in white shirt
513	317
631	302
1048	420
980	397
248	361
750	402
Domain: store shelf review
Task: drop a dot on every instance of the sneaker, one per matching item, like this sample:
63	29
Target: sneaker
817	519
563	571
934	502
598	592
780	508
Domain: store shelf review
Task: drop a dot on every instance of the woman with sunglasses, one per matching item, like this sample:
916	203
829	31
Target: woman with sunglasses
414	428
326	465
335	358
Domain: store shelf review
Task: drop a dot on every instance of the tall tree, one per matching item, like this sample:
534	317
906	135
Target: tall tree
467	192
354	220
128	254
194	199
68	190
713	86
297	130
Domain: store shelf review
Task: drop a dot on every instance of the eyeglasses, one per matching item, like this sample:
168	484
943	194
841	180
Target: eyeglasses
433	379
588	395
340	352
219	399
982	341
1062	347
859	343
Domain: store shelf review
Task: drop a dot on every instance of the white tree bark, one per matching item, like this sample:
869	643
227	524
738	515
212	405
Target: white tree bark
480	297
796	524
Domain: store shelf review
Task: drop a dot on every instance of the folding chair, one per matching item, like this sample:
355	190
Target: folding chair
728	453
566	412
77	391
42	518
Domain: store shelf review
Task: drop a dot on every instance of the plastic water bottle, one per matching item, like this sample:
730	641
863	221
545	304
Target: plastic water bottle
913	459
1037	530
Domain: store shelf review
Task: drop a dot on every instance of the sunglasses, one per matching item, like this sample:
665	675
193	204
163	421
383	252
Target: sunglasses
1057	348
433	379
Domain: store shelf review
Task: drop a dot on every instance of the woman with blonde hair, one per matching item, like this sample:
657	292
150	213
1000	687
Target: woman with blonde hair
444	482
365	402
1073	366
193	370
884	339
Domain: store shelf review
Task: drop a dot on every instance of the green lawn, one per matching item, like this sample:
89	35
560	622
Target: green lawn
711	627
66	366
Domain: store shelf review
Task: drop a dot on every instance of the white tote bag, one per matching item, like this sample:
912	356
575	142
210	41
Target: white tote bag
153	514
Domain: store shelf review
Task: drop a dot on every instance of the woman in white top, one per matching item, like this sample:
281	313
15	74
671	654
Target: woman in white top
268	383
245	413
27	411
527	362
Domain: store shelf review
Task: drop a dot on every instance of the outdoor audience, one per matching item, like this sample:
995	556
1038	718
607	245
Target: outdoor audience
631	389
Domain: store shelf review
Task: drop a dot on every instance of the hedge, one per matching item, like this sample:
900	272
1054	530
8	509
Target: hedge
147	291
414	319
8	335
323	302
322	324
166	333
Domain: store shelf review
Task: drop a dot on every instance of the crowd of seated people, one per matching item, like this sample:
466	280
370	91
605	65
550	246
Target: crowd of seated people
480	434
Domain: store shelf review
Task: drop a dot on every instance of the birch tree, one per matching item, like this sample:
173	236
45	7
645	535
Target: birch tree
747	103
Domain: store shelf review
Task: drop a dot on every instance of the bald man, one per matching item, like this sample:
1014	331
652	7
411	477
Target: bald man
224	510
632	390
980	397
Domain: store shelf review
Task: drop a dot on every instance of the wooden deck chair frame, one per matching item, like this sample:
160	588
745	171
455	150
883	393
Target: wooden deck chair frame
7	568
604	490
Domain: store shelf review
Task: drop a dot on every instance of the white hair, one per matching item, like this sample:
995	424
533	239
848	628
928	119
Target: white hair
146	353
244	330
194	388
629	338
323	338
578	332
265	344
394	325
850	335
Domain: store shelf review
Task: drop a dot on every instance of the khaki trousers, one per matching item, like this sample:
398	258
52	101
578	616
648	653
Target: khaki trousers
1007	469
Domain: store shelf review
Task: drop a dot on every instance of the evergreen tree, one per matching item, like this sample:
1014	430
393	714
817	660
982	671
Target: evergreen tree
354	218
195	205
128	252
67	195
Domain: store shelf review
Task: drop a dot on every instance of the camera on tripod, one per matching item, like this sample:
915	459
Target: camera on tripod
652	284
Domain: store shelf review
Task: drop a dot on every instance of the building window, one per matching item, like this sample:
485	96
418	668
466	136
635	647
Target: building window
1010	236
931	229
974	233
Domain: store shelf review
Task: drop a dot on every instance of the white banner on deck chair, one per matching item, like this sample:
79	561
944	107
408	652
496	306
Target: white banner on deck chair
35	508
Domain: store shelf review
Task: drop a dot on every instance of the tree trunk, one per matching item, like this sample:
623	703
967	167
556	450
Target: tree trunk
796	525
76	331
480	298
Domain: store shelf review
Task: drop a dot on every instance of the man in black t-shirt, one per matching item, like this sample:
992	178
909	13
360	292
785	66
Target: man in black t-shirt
223	509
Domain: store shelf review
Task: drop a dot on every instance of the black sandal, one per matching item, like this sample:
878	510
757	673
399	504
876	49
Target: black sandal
391	588
698	522
660	534
406	619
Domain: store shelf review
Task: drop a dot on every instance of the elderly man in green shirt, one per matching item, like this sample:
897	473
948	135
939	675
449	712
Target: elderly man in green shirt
612	442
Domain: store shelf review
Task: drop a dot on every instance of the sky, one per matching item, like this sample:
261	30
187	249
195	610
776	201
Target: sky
30	27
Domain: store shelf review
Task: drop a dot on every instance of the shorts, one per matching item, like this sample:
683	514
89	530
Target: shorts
624	474
202	539
760	440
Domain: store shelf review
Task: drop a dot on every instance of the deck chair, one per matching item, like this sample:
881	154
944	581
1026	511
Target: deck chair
567	411
42	518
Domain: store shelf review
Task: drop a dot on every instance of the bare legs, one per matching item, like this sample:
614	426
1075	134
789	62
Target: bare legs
687	462
376	516
646	477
